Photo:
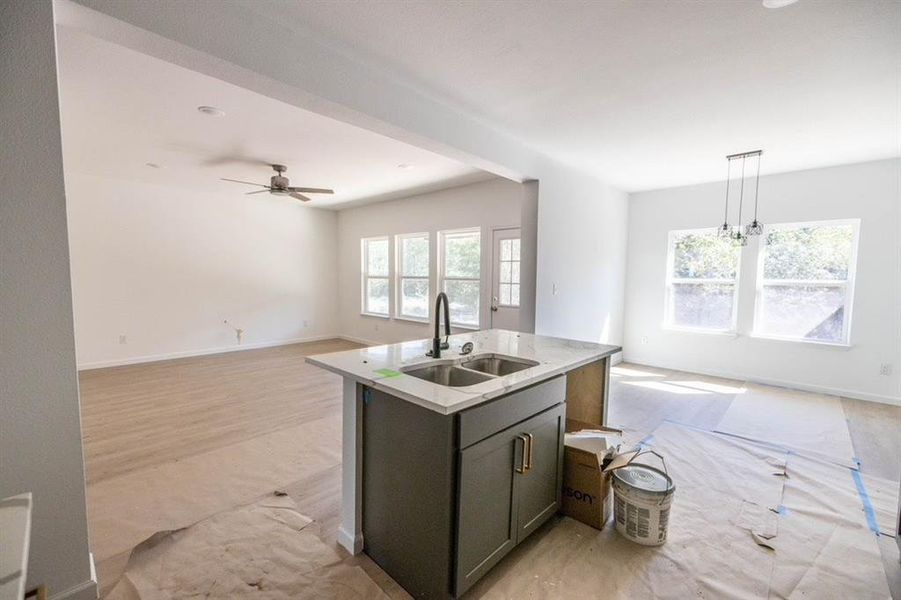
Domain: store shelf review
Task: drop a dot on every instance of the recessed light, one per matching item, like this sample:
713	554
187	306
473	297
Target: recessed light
405	166
153	165
778	3
211	111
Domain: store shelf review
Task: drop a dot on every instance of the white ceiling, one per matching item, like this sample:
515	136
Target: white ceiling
122	109
644	93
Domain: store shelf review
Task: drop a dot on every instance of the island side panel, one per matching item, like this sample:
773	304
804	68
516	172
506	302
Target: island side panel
409	491
586	392
350	532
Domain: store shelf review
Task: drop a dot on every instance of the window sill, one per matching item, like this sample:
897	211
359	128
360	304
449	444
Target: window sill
466	327
412	319
375	315
713	332
771	338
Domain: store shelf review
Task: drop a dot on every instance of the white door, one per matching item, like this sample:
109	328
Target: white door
505	279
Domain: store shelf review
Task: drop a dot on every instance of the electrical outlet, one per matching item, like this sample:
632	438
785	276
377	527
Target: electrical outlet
554	289
885	369
123	339
306	323
644	339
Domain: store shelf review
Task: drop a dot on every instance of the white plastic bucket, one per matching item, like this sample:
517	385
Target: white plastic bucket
642	497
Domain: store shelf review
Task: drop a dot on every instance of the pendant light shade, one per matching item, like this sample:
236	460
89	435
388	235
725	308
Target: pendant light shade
740	234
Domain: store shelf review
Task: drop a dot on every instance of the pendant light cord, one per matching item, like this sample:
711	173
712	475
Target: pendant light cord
741	194
756	189
728	176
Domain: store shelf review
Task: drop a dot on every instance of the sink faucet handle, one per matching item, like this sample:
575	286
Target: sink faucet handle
467	348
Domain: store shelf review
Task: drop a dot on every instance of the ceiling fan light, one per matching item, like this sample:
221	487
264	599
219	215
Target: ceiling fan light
211	111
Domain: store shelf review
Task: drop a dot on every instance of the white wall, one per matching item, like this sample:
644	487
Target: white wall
493	203
165	267
582	229
868	191
40	428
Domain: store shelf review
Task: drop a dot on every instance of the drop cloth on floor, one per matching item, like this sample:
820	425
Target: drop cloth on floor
810	424
263	550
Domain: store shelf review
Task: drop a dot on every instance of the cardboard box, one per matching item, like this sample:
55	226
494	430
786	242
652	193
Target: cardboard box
586	485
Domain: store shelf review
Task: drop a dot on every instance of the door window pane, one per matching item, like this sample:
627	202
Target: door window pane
508	272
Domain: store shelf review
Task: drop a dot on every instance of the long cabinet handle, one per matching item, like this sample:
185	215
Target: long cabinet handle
522	458
528	467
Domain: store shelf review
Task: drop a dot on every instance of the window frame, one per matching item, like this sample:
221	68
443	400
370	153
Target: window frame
670	280
443	278
847	284
499	266
366	276
399	277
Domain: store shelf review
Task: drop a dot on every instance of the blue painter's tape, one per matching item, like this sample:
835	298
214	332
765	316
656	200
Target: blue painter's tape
868	509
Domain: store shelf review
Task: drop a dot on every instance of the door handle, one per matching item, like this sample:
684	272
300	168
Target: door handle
528	466
494	304
522	458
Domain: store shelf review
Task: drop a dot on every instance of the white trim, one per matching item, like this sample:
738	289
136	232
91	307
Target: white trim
669	281
847	283
357	340
376	315
118	362
480	280
796	385
418	320
400	276
793	340
365	275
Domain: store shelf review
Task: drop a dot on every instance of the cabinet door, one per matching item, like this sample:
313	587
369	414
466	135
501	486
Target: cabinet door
486	518
537	488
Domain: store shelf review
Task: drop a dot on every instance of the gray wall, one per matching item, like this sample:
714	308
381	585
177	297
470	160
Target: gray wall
40	428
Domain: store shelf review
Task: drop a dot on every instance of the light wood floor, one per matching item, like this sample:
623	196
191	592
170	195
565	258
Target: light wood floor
139	416
136	418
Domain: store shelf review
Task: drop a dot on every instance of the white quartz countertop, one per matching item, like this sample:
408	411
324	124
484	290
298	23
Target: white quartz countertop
379	367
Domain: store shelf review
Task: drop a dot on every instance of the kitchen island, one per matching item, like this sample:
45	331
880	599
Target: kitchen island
449	463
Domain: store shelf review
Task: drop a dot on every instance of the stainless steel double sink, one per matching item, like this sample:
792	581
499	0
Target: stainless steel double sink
468	370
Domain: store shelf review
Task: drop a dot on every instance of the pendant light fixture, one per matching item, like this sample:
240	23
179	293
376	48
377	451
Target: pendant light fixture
738	233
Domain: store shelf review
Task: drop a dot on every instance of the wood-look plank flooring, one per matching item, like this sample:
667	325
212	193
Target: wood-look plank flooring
138	417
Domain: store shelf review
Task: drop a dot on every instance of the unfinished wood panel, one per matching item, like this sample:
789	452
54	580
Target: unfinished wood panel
586	393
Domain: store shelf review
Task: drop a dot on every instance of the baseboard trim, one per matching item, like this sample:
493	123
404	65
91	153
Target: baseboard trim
357	340
351	543
102	364
794	385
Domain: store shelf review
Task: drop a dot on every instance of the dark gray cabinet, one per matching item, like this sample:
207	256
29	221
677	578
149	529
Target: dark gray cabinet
509	484
445	497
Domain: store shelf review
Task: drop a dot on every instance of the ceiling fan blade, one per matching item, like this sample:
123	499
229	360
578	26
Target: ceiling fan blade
300	197
257	192
245	182
308	190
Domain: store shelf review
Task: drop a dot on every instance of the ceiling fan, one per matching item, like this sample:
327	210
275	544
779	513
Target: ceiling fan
279	185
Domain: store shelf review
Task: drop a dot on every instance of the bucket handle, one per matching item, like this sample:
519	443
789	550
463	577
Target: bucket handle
655	453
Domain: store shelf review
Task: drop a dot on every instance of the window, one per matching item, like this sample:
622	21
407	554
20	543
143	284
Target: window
375	276
701	281
805	279
460	272
413	276
508	277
